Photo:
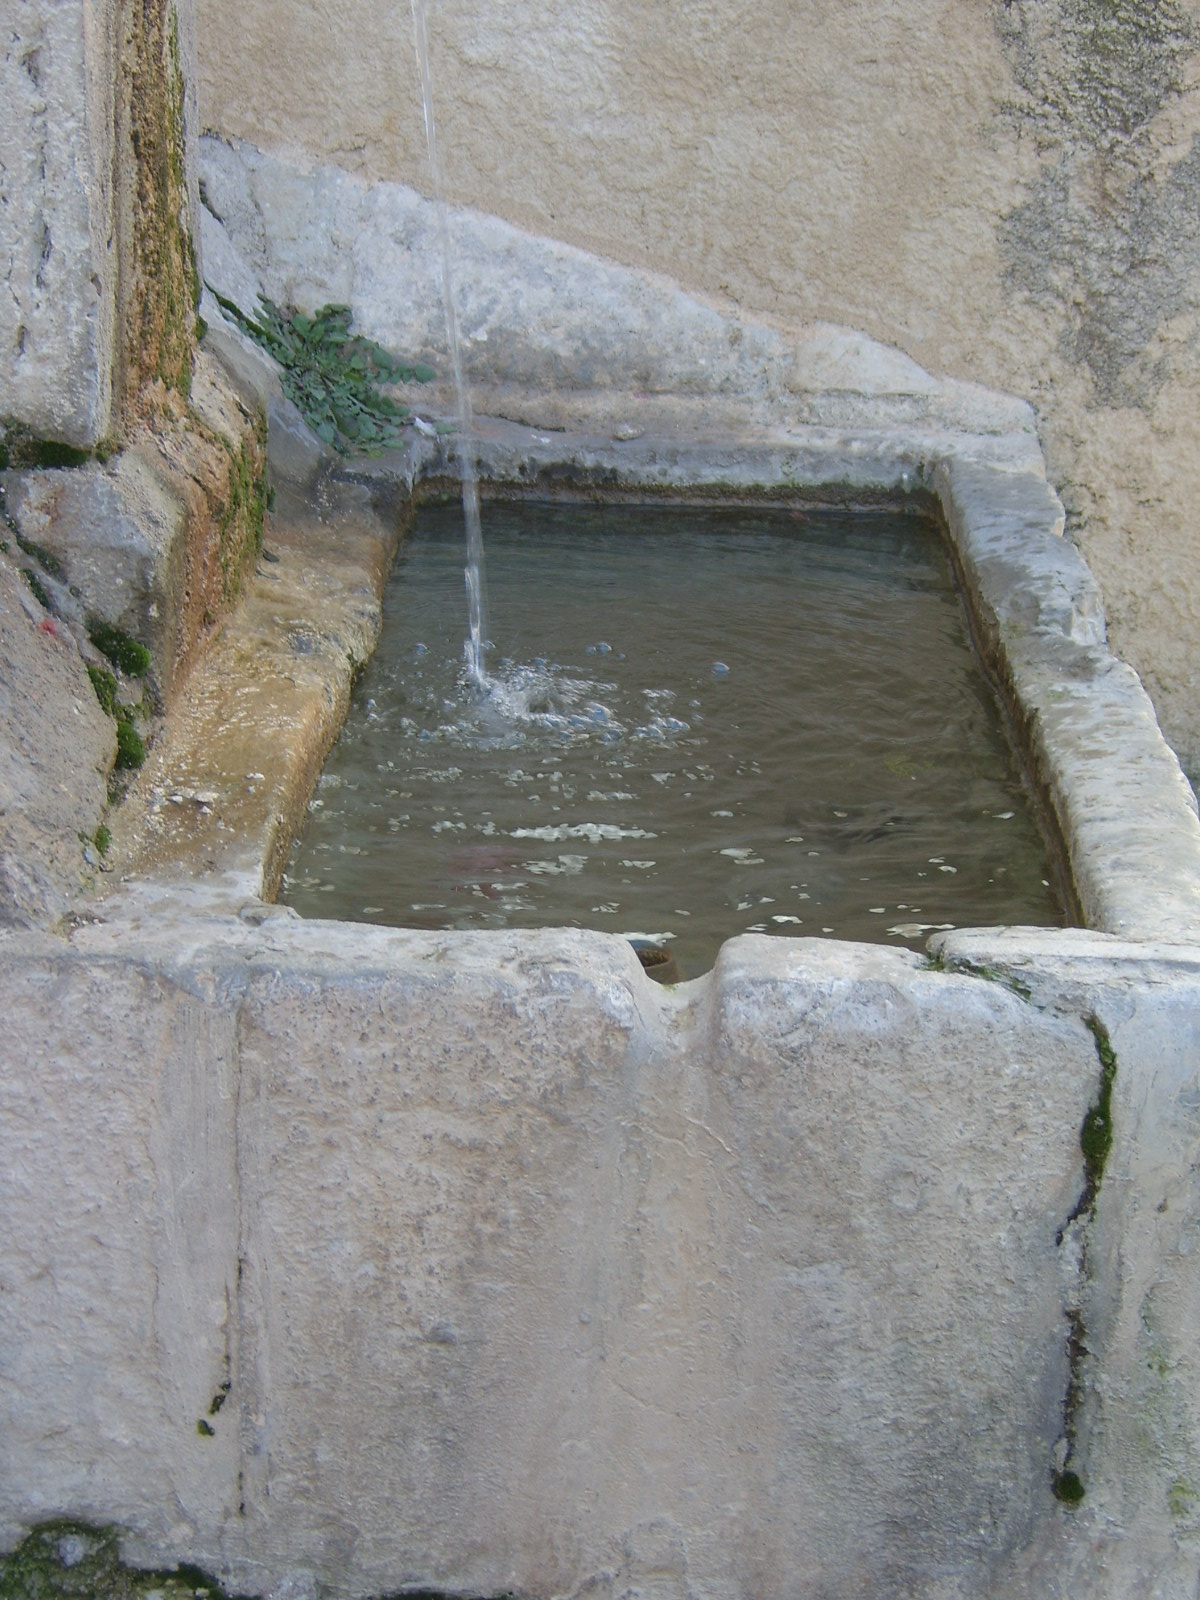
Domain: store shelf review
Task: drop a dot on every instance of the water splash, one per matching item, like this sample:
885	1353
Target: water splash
474	572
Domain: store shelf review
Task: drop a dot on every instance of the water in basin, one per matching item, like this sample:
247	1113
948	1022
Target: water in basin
698	723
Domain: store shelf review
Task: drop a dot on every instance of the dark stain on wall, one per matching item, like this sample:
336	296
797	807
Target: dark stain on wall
1104	233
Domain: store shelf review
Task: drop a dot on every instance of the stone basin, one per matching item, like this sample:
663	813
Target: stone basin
353	1260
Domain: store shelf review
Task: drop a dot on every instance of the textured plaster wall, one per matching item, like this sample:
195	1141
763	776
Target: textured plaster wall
1008	191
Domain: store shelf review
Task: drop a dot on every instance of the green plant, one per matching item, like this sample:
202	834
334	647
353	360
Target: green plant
131	747
19	447
131	750
102	838
132	658
1068	1487
74	1561
105	686
46	559
333	375
37	587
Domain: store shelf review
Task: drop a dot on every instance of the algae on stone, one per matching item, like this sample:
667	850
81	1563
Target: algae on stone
163	292
65	1560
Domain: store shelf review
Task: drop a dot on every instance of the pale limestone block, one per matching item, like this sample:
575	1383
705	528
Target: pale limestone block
120	1248
58	253
120	531
56	749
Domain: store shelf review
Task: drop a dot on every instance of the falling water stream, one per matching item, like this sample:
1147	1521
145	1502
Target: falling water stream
779	728
476	609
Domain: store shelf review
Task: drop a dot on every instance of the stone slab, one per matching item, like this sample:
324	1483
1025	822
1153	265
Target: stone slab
223	791
120	1203
1138	1532
1127	813
56	749
120	533
542	321
540	1277
58	265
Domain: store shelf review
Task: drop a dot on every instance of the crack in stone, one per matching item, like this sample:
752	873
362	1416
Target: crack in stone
1095	1142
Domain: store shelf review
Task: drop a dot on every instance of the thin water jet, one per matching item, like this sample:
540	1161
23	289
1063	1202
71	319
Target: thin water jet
474	571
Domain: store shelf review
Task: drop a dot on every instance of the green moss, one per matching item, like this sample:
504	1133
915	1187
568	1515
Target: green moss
1068	1487
1182	1499
1096	1133
46	559
37	587
994	975
1096	1130
1095	1143
102	838
72	1561
131	748
240	522
130	657
160	319
19	447
105	686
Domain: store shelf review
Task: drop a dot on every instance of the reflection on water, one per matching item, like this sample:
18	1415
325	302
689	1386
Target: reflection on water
697	723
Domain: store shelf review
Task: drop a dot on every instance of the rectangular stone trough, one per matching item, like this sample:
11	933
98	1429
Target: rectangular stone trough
349	1260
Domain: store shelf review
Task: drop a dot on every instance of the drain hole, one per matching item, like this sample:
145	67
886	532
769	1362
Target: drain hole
657	962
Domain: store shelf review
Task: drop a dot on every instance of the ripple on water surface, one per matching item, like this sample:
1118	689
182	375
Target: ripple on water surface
698	723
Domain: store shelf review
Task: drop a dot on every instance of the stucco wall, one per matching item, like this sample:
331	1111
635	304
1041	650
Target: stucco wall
1007	191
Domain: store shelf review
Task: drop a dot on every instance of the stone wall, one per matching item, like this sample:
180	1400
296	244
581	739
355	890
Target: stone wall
58	258
480	1263
131	470
1006	191
98	206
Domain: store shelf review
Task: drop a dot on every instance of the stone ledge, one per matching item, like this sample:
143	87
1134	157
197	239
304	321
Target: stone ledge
1125	812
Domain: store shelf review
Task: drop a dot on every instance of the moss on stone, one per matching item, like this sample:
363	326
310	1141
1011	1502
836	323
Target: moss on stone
240	519
1096	1133
160	317
46	559
1182	1499
72	1561
105	685
64	1560
131	747
19	447
1068	1487
37	588
1095	1144
126	654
